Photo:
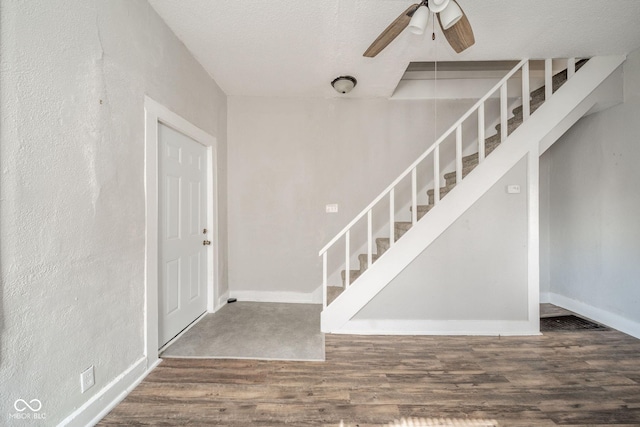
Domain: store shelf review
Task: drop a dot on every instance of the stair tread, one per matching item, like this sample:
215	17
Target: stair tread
445	189
423	210
403	224
465	170
534	104
364	261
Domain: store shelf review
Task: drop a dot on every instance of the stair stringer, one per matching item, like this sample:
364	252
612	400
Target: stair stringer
571	102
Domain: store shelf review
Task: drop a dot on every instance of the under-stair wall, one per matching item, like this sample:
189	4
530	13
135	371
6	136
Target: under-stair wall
476	270
592	210
356	309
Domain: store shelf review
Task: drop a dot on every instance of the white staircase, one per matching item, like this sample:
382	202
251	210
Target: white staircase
581	93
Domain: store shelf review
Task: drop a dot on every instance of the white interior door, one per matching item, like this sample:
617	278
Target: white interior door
183	232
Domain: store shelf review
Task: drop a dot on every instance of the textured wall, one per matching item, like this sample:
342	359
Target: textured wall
594	206
74	77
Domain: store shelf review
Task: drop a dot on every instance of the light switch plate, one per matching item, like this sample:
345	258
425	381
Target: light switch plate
333	208
513	189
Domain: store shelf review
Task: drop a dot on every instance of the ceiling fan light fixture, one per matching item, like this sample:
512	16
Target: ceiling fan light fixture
419	20
450	15
437	6
344	84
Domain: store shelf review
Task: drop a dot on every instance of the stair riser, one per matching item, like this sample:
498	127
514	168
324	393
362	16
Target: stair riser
422	210
443	192
534	104
450	178
364	261
401	228
511	125
354	275
382	244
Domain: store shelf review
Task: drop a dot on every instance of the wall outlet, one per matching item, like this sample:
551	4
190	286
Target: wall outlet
87	379
332	208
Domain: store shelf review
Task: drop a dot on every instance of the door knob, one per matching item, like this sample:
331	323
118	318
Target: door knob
206	242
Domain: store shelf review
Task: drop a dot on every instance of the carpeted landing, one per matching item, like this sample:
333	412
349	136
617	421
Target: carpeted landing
251	330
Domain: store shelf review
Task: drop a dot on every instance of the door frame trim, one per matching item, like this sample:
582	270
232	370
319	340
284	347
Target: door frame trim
154	114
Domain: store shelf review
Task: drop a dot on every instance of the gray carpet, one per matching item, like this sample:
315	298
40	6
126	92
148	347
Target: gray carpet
250	330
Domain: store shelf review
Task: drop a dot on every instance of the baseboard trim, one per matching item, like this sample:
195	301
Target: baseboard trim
545	297
98	406
222	301
314	297
441	327
605	317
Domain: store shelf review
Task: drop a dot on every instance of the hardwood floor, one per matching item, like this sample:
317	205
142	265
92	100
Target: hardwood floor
560	378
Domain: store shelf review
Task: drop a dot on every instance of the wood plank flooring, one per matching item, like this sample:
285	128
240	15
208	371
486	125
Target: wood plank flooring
559	378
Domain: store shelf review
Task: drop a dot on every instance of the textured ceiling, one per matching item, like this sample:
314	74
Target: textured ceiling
296	47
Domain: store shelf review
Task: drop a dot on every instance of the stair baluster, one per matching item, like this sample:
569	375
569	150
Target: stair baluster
414	196
459	154
369	237
548	78
347	263
481	140
526	95
504	113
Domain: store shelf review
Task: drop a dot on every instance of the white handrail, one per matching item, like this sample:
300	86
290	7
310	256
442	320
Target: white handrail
453	127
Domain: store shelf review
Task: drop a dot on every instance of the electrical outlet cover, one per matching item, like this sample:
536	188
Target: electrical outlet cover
87	379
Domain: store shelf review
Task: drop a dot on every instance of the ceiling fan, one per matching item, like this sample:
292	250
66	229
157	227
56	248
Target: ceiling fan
453	21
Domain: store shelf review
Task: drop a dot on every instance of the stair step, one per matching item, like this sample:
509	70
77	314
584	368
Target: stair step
443	192
333	292
450	178
382	244
352	277
402	227
534	104
491	143
512	124
422	210
364	261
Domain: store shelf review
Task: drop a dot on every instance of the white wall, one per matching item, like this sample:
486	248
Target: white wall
545	274
476	270
74	77
594	206
288	158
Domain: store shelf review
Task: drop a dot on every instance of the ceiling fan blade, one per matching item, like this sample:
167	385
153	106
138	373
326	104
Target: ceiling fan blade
460	35
391	32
